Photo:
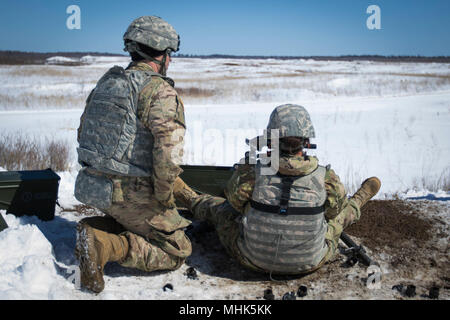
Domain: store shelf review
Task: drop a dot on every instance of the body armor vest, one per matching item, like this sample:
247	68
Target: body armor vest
284	229
113	140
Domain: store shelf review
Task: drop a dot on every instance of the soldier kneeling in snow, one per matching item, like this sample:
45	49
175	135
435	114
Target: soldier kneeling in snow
130	161
287	223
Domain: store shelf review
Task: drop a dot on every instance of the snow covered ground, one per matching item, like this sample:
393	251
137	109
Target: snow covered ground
389	120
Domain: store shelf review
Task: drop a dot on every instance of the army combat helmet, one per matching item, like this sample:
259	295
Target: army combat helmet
292	120
293	123
153	32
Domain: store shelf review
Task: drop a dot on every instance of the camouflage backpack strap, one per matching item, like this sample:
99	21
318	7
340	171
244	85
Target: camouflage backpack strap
167	79
286	182
149	74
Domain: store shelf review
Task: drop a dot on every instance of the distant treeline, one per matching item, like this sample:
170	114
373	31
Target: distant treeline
442	59
21	57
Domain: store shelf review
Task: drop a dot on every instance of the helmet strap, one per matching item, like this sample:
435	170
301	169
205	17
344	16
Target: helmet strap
162	69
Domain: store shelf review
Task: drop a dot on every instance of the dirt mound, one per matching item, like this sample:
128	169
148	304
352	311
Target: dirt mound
390	223
409	233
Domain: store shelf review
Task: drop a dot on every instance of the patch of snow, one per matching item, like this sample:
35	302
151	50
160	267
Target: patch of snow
27	269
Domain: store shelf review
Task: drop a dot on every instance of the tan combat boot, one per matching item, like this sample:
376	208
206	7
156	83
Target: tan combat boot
368	189
183	193
94	248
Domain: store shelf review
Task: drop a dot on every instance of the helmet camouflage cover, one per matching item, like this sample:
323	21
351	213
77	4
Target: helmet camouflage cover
292	120
153	32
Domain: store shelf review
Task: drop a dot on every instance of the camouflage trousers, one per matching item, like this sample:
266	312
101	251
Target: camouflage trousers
349	214
155	233
226	220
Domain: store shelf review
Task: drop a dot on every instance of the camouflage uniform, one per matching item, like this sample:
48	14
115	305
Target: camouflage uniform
145	206
289	222
225	214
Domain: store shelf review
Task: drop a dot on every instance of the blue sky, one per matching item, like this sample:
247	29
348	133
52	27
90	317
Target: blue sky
245	27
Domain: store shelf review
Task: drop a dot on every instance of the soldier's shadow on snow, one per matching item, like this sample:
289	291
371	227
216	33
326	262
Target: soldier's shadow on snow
60	233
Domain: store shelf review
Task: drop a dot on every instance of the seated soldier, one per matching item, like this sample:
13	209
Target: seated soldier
287	223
